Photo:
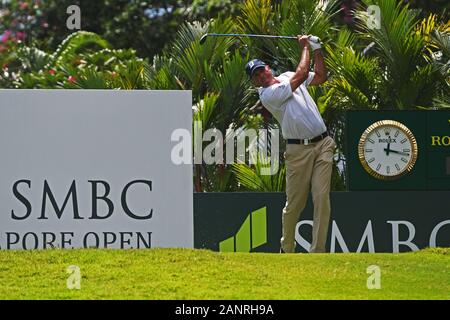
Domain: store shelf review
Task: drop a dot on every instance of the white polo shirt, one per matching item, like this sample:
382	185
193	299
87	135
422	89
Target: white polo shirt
296	111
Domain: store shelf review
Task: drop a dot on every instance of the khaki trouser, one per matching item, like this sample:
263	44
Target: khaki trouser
308	167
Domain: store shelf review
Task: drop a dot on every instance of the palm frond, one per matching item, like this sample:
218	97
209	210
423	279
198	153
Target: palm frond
400	49
192	59
232	85
354	76
131	75
33	59
442	41
253	177
257	17
76	43
305	17
161	75
89	79
204	109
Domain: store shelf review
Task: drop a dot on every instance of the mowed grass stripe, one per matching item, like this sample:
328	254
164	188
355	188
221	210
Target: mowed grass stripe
202	274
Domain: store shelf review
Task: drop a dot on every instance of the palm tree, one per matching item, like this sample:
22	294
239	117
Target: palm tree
409	80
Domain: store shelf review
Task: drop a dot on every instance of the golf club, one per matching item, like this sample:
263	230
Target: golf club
203	38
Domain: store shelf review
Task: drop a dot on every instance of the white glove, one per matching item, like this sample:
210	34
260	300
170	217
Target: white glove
314	43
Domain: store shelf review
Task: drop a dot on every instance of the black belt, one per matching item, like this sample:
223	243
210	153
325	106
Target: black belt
308	141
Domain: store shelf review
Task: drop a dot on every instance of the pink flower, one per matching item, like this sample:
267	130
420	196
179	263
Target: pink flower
5	36
52	72
72	79
20	35
23	5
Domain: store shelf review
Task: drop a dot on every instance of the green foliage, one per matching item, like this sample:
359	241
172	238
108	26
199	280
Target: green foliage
205	108
161	74
75	43
213	71
254	179
354	81
82	61
146	26
427	7
409	80
203	10
303	17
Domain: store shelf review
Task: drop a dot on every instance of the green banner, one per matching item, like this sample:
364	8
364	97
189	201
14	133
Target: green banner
371	221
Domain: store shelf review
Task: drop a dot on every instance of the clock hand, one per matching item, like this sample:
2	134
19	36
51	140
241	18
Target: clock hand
387	149
398	152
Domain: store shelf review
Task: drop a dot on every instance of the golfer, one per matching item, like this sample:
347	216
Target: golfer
309	148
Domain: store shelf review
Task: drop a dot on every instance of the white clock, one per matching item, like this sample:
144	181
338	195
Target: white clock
387	150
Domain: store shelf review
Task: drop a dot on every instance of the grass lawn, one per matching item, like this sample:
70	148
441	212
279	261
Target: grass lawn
201	274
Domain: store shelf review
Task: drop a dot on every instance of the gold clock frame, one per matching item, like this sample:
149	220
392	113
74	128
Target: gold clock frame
409	135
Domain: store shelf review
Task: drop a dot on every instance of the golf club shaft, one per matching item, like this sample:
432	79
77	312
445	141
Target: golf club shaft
249	35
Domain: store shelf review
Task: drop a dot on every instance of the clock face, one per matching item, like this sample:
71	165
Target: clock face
387	150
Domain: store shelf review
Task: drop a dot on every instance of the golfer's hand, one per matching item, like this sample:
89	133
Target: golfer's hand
314	42
303	40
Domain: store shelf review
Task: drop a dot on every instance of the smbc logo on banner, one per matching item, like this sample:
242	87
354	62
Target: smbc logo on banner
251	234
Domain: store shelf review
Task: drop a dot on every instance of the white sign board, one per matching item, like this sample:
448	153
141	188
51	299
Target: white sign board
93	168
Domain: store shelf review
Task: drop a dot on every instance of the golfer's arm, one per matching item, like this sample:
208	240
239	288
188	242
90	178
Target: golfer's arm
302	72
320	69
